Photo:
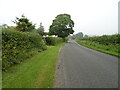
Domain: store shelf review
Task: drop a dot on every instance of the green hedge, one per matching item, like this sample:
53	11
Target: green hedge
17	46
105	39
53	40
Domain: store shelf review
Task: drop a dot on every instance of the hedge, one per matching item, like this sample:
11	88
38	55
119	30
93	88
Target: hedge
53	40
18	46
105	39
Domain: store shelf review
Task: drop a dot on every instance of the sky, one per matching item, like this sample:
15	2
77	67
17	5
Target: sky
92	17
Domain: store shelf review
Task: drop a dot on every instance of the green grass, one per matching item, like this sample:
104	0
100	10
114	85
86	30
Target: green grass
36	72
109	49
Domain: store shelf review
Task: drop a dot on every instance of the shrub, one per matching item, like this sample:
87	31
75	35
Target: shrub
53	40
108	42
17	46
105	39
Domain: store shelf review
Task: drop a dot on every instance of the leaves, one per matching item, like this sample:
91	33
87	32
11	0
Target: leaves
23	24
105	39
53	40
62	26
17	46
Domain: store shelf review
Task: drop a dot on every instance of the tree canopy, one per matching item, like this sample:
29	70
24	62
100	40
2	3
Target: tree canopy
40	30
23	24
86	36
62	26
79	35
3	26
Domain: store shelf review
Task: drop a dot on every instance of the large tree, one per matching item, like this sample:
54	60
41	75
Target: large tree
23	24
62	26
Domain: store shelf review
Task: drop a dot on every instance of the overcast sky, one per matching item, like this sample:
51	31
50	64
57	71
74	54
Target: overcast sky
92	17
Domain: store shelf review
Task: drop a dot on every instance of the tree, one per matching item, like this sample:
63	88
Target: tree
86	36
62	26
3	26
79	35
23	24
40	30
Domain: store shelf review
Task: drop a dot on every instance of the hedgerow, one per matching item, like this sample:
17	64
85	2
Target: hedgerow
105	39
18	46
106	42
53	40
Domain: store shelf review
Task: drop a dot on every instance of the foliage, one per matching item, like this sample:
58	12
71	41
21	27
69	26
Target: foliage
18	46
3	26
35	72
40	30
62	26
79	35
53	40
23	24
109	49
86	36
11	28
105	39
107	43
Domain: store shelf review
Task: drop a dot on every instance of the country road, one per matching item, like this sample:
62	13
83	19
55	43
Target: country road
81	67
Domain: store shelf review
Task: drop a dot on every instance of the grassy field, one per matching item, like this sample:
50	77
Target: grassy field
36	72
109	49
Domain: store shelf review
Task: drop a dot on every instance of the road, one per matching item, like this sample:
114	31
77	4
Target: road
81	67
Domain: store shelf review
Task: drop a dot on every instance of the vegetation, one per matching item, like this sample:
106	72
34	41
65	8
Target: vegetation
18	46
53	40
21	42
86	36
62	26
77	36
23	24
36	72
40	30
106	43
23	63
3	26
105	39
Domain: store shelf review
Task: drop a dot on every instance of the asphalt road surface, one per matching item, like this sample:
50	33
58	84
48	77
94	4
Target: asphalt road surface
81	67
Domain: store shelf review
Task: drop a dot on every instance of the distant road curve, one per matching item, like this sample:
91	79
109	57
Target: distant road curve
81	67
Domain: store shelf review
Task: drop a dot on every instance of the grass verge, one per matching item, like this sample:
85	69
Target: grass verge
37	72
109	49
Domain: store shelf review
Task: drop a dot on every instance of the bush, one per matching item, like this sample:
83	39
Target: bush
105	39
108	42
53	40
17	46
